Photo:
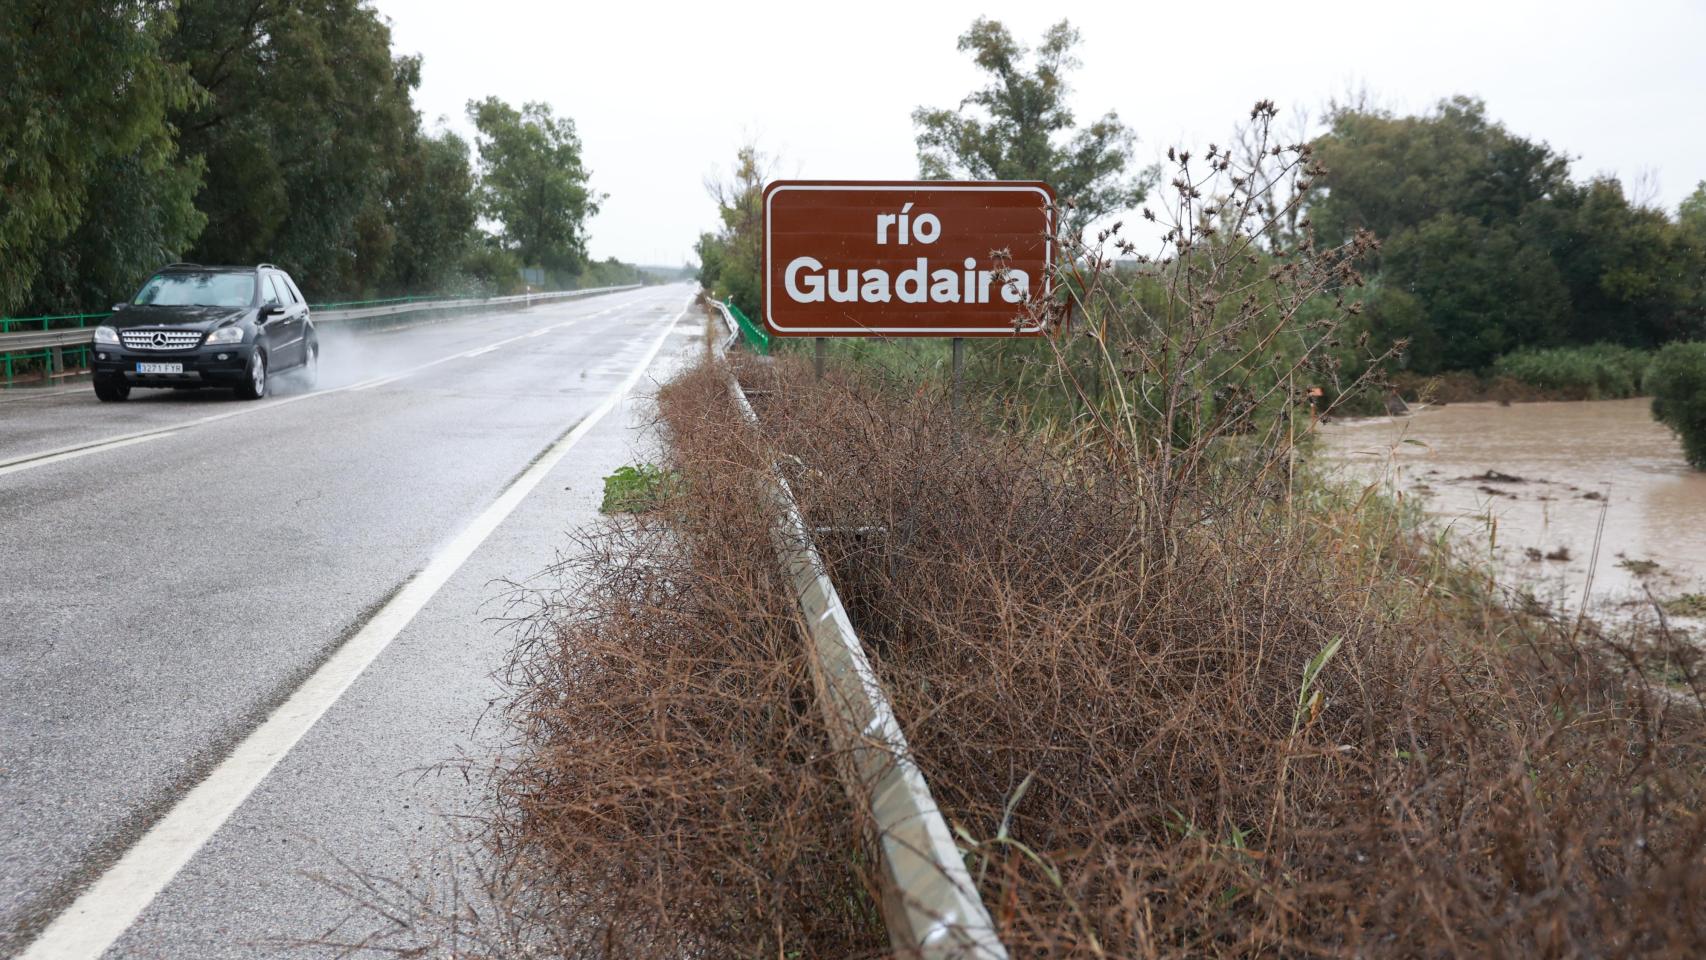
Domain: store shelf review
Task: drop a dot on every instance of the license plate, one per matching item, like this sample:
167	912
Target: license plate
159	368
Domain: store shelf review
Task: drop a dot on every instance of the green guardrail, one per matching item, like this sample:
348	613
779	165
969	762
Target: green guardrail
52	359
755	336
12	324
76	358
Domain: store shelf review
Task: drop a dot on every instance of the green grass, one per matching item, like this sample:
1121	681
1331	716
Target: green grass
636	489
1687	605
906	360
1603	371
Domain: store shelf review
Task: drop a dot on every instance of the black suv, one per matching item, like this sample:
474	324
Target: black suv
193	326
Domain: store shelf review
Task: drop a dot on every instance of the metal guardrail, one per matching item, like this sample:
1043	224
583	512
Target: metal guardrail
431	306
47	342
43	339
930	904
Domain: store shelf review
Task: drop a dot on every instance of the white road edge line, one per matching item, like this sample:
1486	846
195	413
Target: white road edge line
96	920
30	461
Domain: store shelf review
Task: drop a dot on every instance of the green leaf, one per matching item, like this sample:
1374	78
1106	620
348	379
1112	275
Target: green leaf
636	489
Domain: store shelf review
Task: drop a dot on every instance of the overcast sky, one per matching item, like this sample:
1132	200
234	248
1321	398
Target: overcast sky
664	93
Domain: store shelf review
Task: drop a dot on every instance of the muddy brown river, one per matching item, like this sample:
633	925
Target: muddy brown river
1528	486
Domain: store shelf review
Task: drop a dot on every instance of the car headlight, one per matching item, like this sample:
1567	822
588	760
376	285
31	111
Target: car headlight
106	334
231	334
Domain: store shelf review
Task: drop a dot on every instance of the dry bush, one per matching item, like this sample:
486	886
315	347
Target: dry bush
1123	737
671	793
1220	332
1457	780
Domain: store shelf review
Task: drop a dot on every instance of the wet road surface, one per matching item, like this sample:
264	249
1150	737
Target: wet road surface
161	596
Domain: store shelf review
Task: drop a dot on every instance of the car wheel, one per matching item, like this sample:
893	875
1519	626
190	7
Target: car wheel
254	386
311	367
112	392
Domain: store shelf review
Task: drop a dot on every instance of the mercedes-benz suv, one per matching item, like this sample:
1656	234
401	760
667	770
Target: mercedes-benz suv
193	326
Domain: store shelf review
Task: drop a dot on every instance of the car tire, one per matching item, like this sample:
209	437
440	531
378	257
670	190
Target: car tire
310	372
112	392
254	385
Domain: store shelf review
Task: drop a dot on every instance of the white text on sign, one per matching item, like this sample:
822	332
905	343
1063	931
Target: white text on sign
807	281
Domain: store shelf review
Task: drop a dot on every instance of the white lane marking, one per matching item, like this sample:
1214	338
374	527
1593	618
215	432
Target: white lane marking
370	384
113	902
55	458
32	460
411	371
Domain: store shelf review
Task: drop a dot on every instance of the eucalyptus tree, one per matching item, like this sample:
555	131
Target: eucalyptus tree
730	258
84	130
533	184
306	115
434	206
1488	245
1019	126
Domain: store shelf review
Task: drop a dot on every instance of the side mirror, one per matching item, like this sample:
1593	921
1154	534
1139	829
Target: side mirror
269	311
119	306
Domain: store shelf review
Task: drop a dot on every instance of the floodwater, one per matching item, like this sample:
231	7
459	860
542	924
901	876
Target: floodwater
1530	485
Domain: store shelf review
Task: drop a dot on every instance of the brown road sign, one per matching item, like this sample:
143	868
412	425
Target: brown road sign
859	258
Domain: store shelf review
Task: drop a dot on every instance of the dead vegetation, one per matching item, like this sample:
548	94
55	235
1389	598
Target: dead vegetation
1295	733
673	794
1175	698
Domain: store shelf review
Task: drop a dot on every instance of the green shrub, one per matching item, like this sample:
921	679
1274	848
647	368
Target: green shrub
636	489
1677	381
1603	371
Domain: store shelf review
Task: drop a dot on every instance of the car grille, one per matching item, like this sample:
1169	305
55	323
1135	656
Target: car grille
159	339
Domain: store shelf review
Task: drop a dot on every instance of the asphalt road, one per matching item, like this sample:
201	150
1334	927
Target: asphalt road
162	595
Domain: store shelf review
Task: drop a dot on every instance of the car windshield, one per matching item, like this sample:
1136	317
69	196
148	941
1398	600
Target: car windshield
199	290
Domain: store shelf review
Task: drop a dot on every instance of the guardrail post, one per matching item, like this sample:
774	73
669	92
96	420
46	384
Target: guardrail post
58	361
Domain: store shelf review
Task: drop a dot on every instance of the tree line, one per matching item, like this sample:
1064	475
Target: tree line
1487	244
138	132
